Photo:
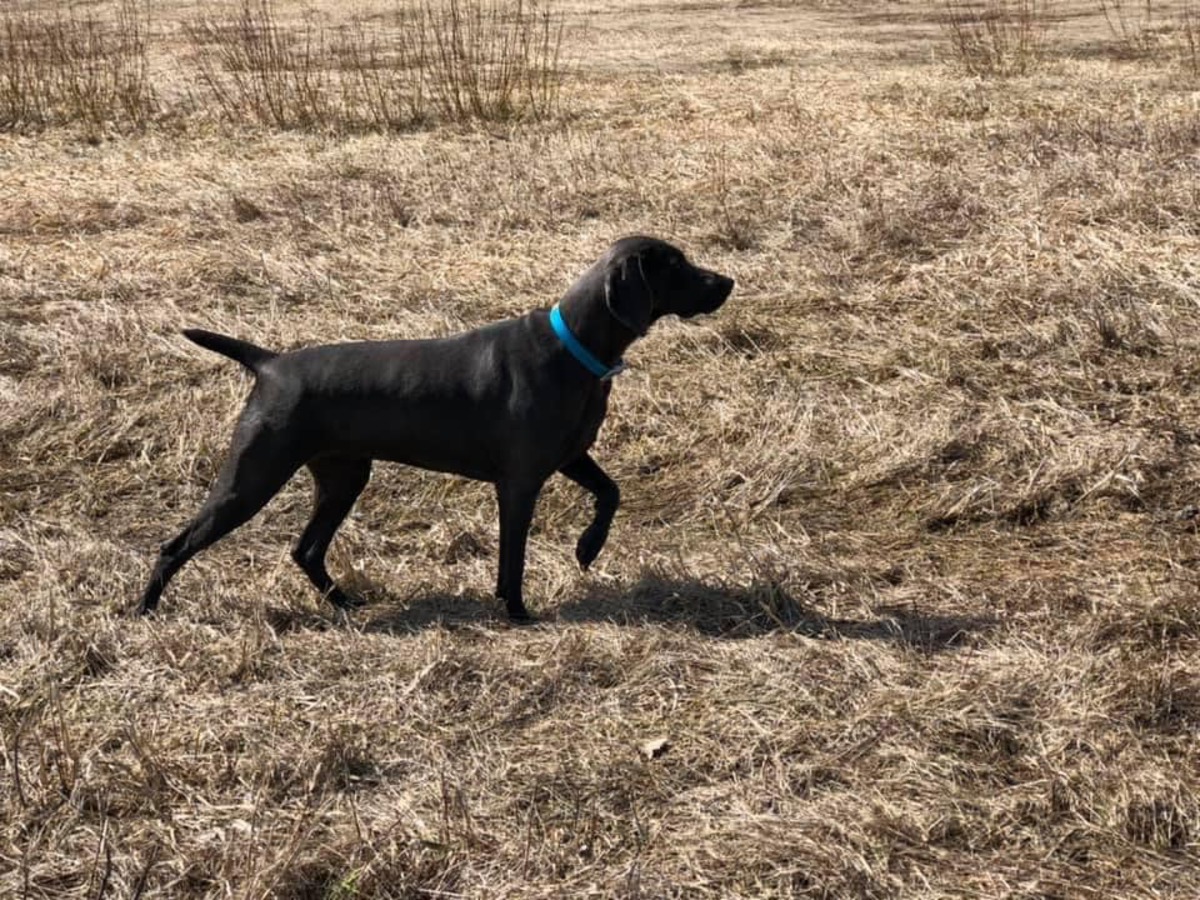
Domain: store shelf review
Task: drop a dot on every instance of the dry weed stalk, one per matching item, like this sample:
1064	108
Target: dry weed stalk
492	59
1189	38
996	37
461	60
258	70
1131	24
69	66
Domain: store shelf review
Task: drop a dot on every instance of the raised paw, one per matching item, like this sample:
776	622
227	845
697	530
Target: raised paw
589	547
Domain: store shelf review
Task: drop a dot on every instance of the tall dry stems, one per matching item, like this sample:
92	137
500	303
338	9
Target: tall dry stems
996	38
383	86
253	68
1130	23
1189	39
486	60
74	67
493	59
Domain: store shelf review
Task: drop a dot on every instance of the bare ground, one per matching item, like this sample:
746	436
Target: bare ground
906	574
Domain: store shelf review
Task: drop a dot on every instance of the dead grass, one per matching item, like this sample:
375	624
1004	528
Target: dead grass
906	570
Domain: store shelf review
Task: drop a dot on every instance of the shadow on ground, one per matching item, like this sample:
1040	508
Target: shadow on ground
718	611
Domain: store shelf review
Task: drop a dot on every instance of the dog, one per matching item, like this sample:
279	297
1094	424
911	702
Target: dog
509	403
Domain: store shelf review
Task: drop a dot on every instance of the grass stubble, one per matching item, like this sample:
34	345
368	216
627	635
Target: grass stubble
906	570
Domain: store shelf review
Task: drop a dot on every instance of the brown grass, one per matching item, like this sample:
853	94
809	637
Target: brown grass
906	570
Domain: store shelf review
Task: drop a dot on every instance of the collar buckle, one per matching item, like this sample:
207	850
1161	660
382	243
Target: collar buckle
614	371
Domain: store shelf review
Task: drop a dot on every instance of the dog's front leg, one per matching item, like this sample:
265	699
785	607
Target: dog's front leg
588	475
517	501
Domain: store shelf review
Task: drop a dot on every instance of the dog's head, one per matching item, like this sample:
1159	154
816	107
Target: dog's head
646	279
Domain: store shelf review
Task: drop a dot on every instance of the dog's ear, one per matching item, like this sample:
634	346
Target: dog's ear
628	295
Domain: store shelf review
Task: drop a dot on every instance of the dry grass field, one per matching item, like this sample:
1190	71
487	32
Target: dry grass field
907	573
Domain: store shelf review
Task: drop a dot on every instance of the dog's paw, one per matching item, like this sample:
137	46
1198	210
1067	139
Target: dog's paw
344	601
519	618
589	547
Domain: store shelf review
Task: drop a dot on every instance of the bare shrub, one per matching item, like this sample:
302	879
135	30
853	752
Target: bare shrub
489	60
996	37
254	68
492	59
385	86
1131	24
1138	33
73	67
1189	39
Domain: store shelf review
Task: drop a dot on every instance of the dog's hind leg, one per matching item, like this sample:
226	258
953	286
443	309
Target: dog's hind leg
258	465
337	482
588	475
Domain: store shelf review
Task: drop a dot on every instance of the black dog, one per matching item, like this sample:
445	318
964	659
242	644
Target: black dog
510	403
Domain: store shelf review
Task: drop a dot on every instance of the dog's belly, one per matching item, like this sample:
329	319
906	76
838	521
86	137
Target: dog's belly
435	435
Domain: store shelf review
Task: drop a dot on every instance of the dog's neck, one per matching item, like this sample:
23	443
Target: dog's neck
589	319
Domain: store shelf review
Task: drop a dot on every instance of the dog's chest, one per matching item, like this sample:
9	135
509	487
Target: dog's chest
594	409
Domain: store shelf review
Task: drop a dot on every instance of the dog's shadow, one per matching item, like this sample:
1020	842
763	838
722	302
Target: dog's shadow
720	612
728	612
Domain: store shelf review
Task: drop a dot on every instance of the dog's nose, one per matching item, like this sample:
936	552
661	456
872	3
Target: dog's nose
720	286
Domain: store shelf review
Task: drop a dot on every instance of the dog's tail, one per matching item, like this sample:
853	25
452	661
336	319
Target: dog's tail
249	355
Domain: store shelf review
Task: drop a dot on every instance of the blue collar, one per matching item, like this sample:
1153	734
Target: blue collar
580	352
